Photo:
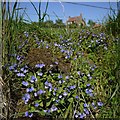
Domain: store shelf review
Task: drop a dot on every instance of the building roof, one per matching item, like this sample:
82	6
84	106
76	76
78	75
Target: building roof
71	19
76	19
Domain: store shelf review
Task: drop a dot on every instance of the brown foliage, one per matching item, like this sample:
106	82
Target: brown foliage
46	56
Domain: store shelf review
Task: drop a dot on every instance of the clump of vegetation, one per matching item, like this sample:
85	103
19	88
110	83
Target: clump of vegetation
60	73
54	62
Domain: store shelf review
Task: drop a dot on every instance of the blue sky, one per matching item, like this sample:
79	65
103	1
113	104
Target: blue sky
64	10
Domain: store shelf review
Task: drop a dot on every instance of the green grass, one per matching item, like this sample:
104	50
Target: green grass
87	52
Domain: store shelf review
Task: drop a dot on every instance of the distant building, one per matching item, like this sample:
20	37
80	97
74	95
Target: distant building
97	25
77	19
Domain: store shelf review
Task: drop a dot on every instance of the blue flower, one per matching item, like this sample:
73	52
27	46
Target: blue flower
78	72
67	77
59	76
56	63
82	115
24	70
60	96
93	104
48	84
86	111
36	104
67	57
72	87
19	57
30	115
76	115
86	105
54	93
26	114
53	108
88	85
40	92
20	75
100	104
65	94
39	65
26	97
76	97
33	79
40	74
57	101
26	33
89	92
25	83
35	94
12	67
30	89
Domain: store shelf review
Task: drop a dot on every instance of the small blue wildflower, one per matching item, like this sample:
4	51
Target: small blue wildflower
67	57
56	63
40	92
45	111
100	104
50	89
18	57
26	33
87	91
86	105
36	104
93	104
55	89
76	97
62	50
35	94
59	76
26	97
16	71
24	70
86	111
46	83
46	87
82	115
51	65
57	101
20	75
88	75
50	85
30	89
76	115
72	87
33	79
60	81
61	36
12	67
88	85
67	77
40	74
53	108
30	115
39	65
25	83
78	72
60	96
26	114
65	94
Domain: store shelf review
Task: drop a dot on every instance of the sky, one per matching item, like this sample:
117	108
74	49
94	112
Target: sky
63	10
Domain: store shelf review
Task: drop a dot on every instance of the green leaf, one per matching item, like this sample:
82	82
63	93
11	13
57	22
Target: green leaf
70	100
67	111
